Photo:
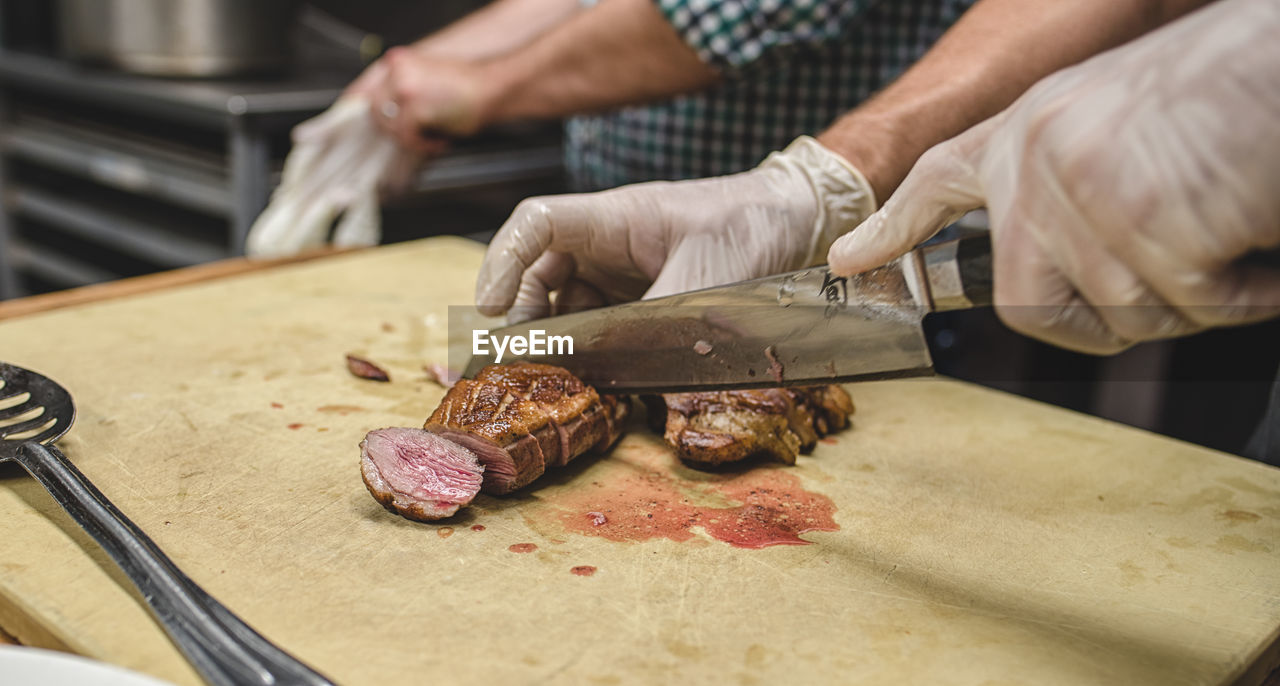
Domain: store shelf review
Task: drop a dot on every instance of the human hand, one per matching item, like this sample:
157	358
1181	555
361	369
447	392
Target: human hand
1125	193
422	101
660	238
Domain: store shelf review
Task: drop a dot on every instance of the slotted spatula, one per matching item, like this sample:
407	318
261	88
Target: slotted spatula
221	647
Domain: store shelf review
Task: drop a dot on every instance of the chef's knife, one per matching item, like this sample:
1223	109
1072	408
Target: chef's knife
805	327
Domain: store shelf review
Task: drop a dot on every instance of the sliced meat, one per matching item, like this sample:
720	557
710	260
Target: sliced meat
511	421
418	474
505	432
441	374
574	408
365	369
715	428
830	405
615	411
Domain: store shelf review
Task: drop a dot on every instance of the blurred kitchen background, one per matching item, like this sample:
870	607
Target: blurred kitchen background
125	152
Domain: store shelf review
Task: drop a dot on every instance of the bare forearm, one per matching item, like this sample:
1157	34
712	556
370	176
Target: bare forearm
990	57
497	29
617	53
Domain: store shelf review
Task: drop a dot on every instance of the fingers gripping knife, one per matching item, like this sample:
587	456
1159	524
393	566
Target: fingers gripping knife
221	647
805	327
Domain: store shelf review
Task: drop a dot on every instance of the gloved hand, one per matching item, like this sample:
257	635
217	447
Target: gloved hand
423	101
1122	192
339	163
659	238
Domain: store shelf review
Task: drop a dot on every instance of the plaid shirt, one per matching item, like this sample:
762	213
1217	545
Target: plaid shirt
791	67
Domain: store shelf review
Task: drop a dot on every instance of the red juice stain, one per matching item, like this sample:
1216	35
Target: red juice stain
444	531
278	406
828	441
583	570
478	527
522	547
647	498
295	426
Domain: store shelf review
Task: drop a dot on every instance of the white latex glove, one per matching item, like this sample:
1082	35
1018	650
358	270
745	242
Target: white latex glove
339	162
1122	192
659	238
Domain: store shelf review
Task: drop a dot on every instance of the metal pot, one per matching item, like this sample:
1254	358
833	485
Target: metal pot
194	38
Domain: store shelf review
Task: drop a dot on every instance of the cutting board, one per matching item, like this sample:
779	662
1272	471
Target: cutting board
971	537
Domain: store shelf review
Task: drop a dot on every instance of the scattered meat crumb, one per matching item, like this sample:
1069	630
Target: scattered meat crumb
522	547
583	570
441	374
478	527
386	326
295	426
278	406
702	348
444	531
828	440
775	366
366	369
598	518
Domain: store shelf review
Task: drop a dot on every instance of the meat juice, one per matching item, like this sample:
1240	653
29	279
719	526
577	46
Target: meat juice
761	507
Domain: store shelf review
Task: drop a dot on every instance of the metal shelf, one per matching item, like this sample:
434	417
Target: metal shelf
128	167
130	235
202	102
173	172
56	268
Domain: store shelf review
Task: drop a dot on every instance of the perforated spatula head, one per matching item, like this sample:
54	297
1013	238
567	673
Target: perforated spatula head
32	408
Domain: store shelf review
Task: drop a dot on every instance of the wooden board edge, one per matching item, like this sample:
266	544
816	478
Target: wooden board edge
1263	670
153	282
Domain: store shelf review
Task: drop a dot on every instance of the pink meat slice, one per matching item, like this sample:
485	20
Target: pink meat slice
418	474
505	432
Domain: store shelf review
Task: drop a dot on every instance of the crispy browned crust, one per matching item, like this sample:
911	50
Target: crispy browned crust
522	418
721	427
572	407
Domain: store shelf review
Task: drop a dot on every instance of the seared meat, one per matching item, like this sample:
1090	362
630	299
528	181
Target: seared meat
496	433
418	474
501	430
616	411
521	418
574	408
506	432
719	427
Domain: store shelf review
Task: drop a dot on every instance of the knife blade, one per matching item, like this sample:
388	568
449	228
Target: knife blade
801	328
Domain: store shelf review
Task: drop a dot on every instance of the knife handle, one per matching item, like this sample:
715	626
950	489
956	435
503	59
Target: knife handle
959	272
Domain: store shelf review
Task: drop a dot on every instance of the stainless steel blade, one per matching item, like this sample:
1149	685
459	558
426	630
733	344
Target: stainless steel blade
800	328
